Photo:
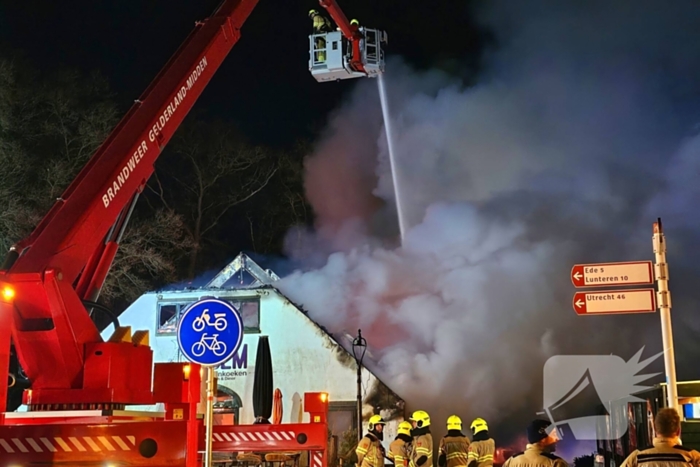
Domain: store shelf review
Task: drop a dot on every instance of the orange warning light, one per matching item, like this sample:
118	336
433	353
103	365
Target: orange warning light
8	293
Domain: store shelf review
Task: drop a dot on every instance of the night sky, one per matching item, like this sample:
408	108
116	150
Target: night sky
264	85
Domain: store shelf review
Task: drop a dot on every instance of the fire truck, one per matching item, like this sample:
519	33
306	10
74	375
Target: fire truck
80	385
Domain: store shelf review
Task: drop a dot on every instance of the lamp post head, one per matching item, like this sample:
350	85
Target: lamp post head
359	346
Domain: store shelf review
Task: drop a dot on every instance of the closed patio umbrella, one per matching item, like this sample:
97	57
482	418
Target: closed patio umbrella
262	385
277	407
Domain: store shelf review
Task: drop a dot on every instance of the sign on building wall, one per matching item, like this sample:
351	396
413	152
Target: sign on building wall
235	367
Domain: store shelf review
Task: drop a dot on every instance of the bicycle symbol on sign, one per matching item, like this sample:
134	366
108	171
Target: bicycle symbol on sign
212	343
202	321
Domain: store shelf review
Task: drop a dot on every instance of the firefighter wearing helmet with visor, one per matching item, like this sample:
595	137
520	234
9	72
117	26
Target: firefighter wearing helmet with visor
422	453
399	449
370	452
454	447
482	447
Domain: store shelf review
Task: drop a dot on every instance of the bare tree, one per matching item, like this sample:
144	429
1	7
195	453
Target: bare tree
146	255
210	171
48	131
285	204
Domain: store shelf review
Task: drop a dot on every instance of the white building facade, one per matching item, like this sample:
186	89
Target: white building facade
305	358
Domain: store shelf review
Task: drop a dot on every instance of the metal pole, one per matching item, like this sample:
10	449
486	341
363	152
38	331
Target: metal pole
359	401
663	297
209	417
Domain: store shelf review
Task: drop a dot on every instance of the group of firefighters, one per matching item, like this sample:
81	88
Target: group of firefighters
413	446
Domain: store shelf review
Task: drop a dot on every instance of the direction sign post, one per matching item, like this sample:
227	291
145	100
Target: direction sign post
664	298
612	274
210	332
614	302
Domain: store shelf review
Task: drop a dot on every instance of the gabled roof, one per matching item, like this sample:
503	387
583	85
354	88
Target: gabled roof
265	279
240	265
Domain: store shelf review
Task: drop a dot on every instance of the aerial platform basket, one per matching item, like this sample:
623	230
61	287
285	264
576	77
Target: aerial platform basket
330	55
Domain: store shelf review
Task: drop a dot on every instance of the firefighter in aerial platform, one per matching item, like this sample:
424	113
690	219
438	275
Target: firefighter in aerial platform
542	439
482	447
667	450
454	447
370	452
422	446
321	23
321	26
400	448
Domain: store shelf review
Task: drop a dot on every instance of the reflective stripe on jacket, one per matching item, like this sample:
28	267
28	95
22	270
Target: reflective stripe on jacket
369	452
534	456
667	452
398	452
422	446
482	452
456	450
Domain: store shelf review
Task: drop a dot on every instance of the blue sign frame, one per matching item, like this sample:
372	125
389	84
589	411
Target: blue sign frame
210	331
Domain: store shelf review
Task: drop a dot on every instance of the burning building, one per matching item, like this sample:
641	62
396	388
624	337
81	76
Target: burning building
305	357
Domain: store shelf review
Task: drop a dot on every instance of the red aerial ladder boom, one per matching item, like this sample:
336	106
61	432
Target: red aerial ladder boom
351	32
65	260
50	279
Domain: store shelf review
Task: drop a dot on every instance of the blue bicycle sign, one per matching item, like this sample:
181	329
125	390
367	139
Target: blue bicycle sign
210	332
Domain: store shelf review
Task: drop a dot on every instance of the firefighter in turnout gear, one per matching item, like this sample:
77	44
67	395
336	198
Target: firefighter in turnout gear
667	450
482	447
321	23
399	449
454	447
321	26
542	438
422	448
370	452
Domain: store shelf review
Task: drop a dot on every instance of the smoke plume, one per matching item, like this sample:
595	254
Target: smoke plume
579	133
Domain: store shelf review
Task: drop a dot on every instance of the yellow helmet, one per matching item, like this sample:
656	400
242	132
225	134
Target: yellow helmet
375	420
404	428
421	418
479	424
354	22
454	423
313	12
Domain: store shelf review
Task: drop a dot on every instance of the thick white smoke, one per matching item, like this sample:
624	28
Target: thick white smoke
578	135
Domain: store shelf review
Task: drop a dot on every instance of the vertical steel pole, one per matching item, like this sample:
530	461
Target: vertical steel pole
359	401
663	297
209	417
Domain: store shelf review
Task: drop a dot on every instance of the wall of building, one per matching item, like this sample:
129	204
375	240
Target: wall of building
304	359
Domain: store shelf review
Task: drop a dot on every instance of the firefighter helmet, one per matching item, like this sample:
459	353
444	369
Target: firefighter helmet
454	423
375	420
479	424
421	418
312	13
404	428
354	22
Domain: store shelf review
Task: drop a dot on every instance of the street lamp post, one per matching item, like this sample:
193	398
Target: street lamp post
359	346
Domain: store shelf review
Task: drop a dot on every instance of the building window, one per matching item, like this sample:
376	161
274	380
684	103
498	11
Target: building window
169	314
342	419
250	314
